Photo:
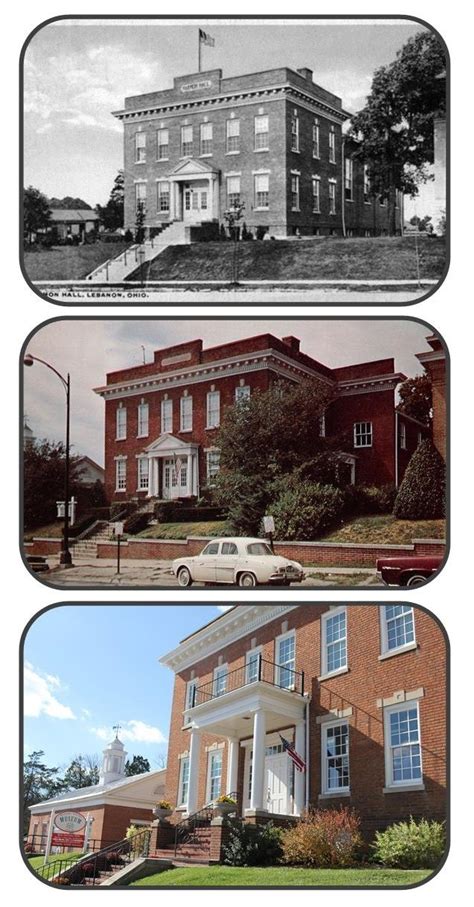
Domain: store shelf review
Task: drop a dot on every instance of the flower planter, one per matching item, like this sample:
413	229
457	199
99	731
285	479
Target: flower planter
224	809
161	813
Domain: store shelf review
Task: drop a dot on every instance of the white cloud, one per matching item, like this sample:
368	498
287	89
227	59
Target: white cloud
132	730
39	698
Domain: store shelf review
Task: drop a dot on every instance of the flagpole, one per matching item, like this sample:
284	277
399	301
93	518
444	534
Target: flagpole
199	50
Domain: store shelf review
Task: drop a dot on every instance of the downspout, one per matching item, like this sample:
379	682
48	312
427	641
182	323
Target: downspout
343	188
396	449
307	755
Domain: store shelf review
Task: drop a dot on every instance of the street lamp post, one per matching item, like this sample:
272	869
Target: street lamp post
65	557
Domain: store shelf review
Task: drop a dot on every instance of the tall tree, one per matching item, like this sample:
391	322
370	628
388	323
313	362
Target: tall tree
36	212
40	782
416	398
395	128
111	216
43	474
137	765
83	771
69	202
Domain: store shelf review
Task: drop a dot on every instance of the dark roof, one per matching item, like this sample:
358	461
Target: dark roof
73	216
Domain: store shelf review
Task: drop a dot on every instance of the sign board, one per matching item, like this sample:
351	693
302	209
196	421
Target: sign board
70	822
268	524
59	839
118	528
196	86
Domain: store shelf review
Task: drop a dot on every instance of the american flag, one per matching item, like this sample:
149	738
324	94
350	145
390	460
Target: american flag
300	764
206	39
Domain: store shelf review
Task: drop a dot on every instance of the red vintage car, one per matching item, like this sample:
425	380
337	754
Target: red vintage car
407	571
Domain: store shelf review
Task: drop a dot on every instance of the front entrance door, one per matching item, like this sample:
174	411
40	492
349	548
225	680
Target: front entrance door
175	478
276	771
196	201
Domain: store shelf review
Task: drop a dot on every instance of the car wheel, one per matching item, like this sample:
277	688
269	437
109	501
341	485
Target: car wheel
416	580
247	580
184	577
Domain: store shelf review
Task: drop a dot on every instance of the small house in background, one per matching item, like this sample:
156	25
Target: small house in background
73	225
88	472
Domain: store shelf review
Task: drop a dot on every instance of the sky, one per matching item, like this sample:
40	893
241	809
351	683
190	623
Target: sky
89	348
90	667
77	72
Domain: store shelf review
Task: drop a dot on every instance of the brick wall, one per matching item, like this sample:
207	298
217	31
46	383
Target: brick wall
110	822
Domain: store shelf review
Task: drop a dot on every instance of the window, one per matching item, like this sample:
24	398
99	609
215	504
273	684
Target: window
295	133
316	195
212	464
140	194
186	414
142	420
252	665
348	179
121	423
166	416
285	659
333	641
183	782
163	196
402	745
213	409
229	548
162	144
363	434
261	190
233	136
242	393
332	196
332	145
214	776
335	757
140	147
261	133
316	139
206	138
142	483
212	548
295	192
366	184
121	474
233	191
403	436
186	141
220	680
190	699
398	628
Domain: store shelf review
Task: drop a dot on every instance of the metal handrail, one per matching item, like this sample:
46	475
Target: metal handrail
270	672
90	866
185	830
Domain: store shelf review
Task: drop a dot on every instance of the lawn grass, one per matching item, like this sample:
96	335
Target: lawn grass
69	262
385	529
182	530
323	258
49	531
253	877
38	862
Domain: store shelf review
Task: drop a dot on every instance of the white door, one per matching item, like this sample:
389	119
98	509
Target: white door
276	773
196	202
175	479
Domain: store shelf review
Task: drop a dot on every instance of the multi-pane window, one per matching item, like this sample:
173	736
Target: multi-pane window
332	145
253	665
215	776
363	434
142	420
220	680
398	627
261	190
261	133
213	409
334	641
163	195
233	136
140	147
166	416
242	393
286	661
140	194
335	757
366	184
121	474
186	414
212	464
162	144
295	133
316	194
316	139
403	745
186	141
295	192
332	196
233	191
403	436
348	179
142	483
206	138
183	782
121	423
191	688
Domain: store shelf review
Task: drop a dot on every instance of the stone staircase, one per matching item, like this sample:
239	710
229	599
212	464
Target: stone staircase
194	850
87	547
115	270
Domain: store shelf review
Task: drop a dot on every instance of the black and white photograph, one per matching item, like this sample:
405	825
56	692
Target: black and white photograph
235	160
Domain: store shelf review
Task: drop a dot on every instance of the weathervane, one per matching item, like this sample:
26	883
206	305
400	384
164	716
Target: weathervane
116	728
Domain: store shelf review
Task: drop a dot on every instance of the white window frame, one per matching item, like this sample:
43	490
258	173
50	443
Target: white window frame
121	423
332	192
167	417
163	196
221	671
403	436
161	155
213	421
190	686
316	184
367	198
257	178
143	421
140	147
242	392
279	668
233	136
316	141
361	435
212	756
295	191
327	791
258	131
295	133
211	470
348	179
121	474
183	796
332	144
249	657
186	414
325	618
385	650
141	484
233	193
205	143
184	144
403	784
141	193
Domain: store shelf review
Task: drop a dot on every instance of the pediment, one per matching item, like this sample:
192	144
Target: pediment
192	167
166	443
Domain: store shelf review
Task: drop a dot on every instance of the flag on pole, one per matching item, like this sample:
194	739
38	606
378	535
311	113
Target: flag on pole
299	762
204	38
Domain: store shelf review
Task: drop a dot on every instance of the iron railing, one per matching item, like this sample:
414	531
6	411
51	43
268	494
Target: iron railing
90	869
260	670
35	845
185	832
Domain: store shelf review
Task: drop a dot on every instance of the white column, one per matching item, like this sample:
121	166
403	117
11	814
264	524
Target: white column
194	746
300	780
258	764
189	475
150	478
232	764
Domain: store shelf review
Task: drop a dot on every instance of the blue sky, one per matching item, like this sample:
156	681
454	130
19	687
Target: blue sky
88	667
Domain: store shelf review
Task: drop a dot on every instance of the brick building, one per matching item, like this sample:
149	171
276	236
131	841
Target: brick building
360	690
271	140
162	418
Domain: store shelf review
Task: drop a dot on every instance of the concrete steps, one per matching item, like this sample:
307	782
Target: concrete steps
88	547
115	270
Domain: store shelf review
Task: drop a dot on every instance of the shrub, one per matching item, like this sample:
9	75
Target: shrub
164	511
363	499
421	495
329	837
249	845
411	845
136	523
306	512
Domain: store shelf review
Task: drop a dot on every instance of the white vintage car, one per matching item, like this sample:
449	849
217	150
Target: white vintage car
240	561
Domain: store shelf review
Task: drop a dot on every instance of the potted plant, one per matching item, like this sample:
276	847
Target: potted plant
225	805
162	810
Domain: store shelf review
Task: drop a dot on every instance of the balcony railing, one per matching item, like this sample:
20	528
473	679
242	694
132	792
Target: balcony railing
260	670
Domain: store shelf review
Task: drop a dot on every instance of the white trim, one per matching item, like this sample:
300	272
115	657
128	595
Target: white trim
392	786
385	652
257	650
211	755
326	791
288	634
327	615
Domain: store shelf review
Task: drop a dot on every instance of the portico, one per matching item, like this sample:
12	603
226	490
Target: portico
173	468
194	192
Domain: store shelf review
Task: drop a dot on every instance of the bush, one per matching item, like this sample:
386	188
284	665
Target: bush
306	512
164	511
364	499
136	523
250	845
411	845
329	837
421	495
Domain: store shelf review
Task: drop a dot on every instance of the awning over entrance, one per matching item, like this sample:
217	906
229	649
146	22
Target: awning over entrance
173	468
194	191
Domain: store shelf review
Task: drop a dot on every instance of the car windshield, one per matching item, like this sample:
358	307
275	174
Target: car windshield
259	548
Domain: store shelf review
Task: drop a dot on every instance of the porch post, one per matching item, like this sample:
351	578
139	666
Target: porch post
194	745
300	780
258	765
150	478
189	476
232	764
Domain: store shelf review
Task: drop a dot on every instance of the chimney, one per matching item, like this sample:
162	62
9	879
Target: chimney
306	73
293	343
